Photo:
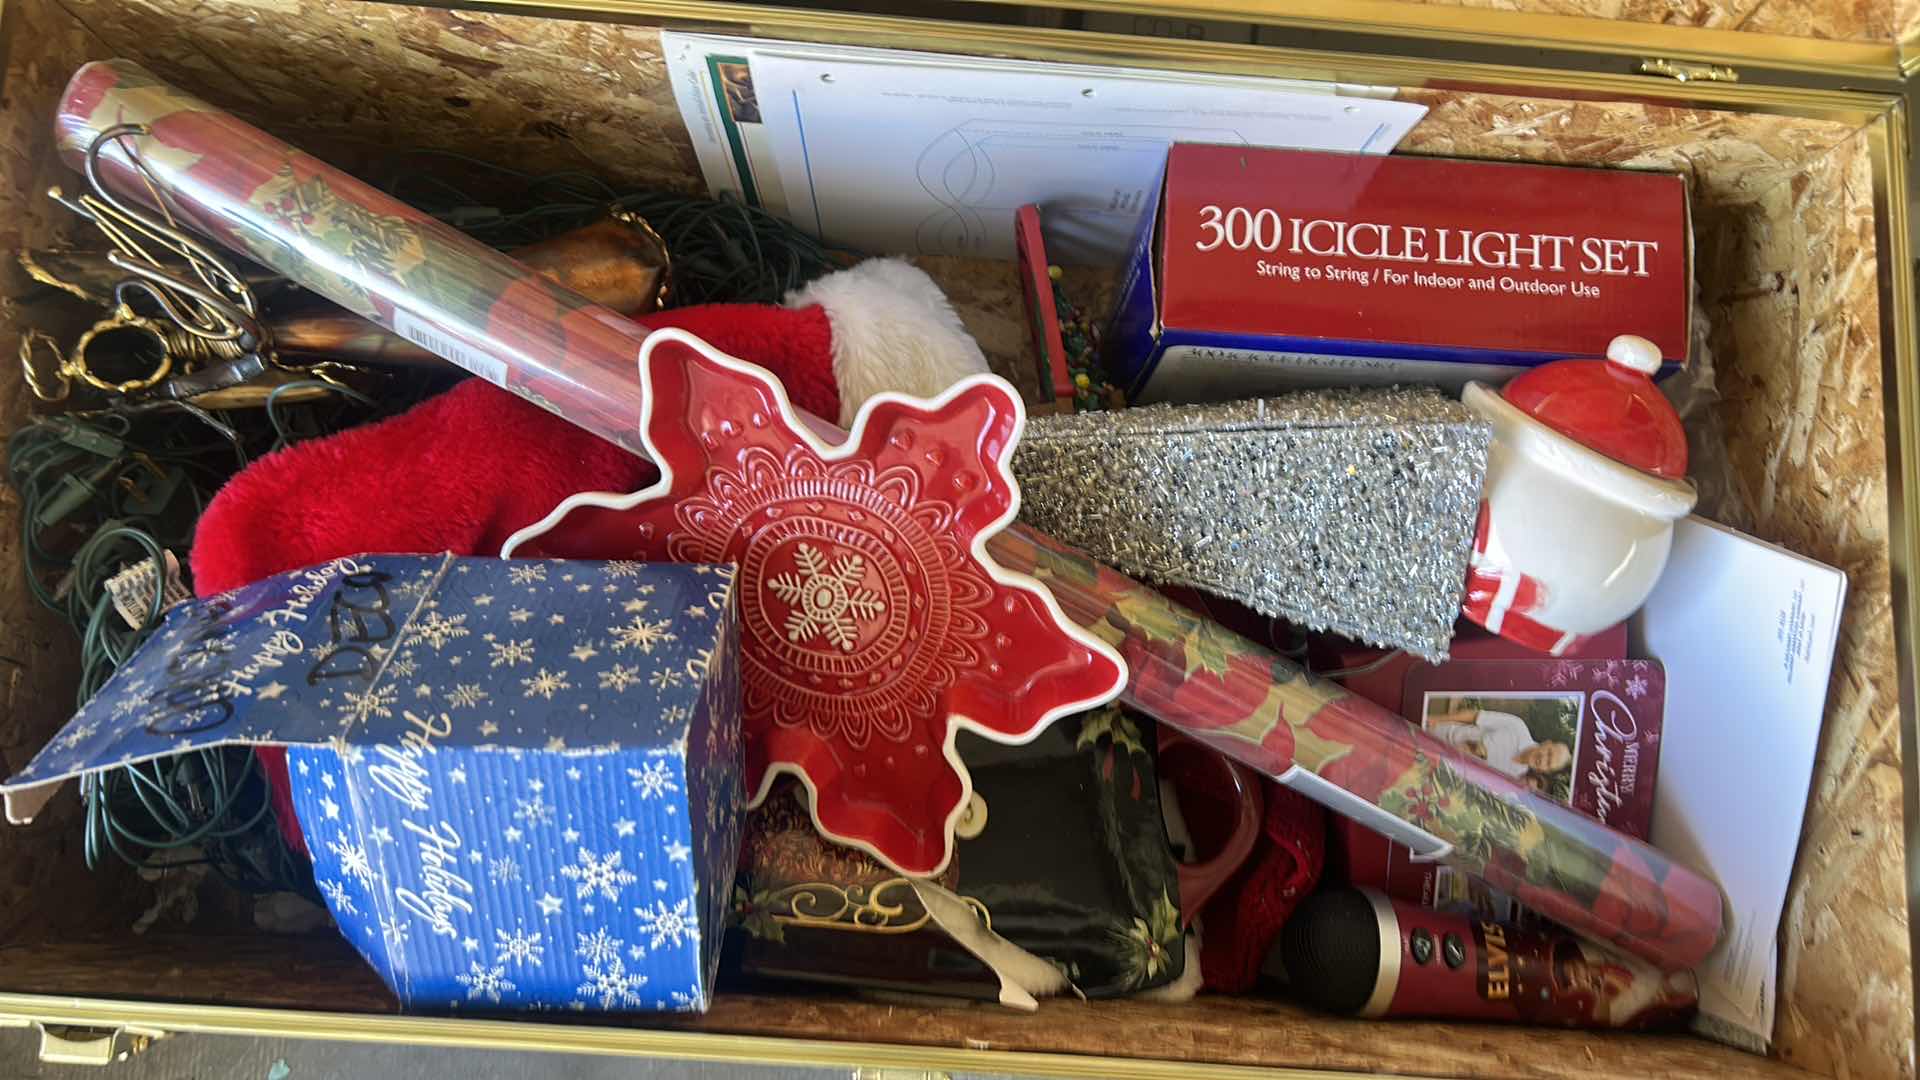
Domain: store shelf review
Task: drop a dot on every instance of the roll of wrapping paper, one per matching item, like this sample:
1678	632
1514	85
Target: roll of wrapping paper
405	271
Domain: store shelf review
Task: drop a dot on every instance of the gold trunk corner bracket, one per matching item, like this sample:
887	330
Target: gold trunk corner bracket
1684	71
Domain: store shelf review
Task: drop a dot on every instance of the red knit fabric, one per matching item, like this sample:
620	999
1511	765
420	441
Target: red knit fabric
1245	916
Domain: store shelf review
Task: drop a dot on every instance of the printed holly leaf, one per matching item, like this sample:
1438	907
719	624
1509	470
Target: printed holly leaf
1212	649
754	913
1157	619
1114	724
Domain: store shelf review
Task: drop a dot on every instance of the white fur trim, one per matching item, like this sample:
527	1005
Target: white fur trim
893	329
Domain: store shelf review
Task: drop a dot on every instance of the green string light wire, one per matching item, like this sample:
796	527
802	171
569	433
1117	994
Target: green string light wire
103	491
721	249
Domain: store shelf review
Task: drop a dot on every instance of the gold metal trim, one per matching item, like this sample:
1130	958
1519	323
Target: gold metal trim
515	1035
1852	107
1530	29
1890	150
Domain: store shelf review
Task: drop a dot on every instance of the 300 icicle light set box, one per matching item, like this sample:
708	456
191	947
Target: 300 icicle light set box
519	780
1266	270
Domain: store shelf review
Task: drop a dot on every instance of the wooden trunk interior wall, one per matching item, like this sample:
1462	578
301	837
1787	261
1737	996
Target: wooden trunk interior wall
1787	274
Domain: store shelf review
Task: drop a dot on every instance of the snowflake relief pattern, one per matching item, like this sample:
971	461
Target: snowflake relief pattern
510	653
338	898
653	779
826	600
527	573
610	985
598	947
534	811
519	948
487	982
353	860
618	677
466	695
503	869
668	925
360	706
545	684
643	634
1637	686
602	874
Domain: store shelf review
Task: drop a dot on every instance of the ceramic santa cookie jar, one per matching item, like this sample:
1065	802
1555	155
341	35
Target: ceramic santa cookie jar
1585	478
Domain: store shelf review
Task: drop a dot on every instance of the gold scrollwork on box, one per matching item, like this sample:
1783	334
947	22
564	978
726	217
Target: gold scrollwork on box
886	907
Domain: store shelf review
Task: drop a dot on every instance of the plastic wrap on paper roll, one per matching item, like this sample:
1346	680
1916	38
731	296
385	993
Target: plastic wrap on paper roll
379	258
1360	759
1343	510
485	312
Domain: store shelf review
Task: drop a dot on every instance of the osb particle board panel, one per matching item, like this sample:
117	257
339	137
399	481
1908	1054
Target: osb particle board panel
1730	157
537	94
1838	20
1793	295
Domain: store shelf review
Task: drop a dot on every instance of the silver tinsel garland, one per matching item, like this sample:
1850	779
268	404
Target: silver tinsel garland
1343	510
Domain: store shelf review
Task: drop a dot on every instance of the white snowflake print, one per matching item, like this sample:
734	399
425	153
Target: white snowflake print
360	706
618	677
534	811
600	874
623	568
641	634
598	947
682	1001
353	860
676	716
825	599
1637	686
338	898
395	931
485	982
403	667
665	679
654	779
503	869
1563	673
546	684
437	629
610	984
466	695
1610	671
519	948
526	573
668	925
510	652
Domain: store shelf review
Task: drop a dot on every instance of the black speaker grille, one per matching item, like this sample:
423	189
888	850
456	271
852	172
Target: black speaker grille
1331	948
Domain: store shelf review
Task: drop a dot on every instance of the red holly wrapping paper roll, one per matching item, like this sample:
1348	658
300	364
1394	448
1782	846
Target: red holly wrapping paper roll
400	268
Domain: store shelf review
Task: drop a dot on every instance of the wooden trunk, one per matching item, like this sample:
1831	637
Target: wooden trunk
1803	272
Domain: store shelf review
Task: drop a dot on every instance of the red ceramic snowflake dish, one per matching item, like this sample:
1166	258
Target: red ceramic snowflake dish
873	623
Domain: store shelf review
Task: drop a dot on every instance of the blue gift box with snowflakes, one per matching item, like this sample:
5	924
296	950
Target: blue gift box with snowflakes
519	780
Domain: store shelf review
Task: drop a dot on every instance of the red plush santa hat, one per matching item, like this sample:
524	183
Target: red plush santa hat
465	470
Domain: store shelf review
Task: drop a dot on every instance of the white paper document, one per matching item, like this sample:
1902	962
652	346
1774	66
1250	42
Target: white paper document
1747	632
885	151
